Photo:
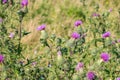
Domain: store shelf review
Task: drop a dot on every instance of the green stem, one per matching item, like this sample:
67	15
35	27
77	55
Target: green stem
103	31
19	33
95	42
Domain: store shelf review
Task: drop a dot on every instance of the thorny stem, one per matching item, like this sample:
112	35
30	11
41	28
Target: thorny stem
19	33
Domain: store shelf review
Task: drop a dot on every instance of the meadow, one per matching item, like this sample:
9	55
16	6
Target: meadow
59	40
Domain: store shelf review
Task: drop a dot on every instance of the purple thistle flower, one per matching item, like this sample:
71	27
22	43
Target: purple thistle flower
105	57
110	10
4	1
34	63
42	27
95	15
106	34
118	78
79	65
1	58
11	35
59	53
75	35
118	40
24	3
113	42
77	23
90	75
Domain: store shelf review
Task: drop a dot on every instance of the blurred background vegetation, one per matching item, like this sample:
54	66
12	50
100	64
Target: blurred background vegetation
59	16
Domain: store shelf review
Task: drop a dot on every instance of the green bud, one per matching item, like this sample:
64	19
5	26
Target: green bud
27	70
59	58
44	34
66	66
4	75
75	77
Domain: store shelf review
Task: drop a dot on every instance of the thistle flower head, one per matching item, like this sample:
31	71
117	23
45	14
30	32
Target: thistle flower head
104	57
79	66
110	10
34	63
1	58
78	23
106	34
75	35
95	15
42	27
11	35
118	78
4	1
90	75
118	40
24	3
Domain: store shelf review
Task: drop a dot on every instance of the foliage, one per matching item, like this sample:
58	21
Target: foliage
90	51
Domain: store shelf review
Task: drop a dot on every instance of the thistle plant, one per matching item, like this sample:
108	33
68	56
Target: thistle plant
87	48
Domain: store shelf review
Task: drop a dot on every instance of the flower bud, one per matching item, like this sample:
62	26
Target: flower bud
79	66
44	34
59	58
4	75
75	77
11	35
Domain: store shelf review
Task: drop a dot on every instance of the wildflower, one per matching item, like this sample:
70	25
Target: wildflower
113	42
11	35
77	23
79	65
118	78
34	63
1	58
4	1
75	35
59	53
95	15
106	34
90	75
42	27
105	57
118	40
110	10
24	3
